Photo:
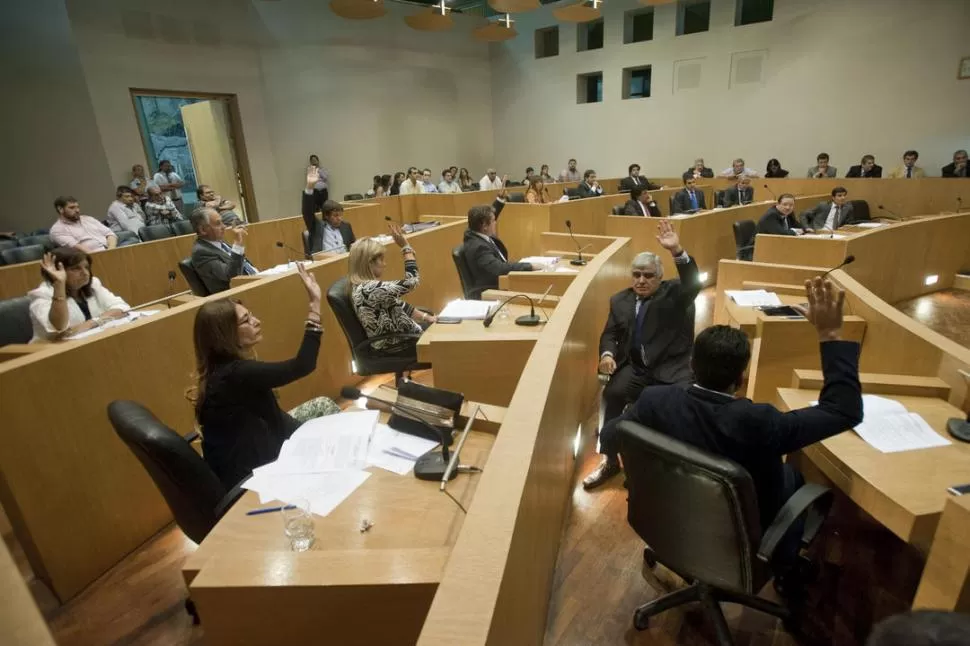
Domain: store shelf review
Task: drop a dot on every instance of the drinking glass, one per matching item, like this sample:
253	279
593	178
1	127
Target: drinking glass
298	525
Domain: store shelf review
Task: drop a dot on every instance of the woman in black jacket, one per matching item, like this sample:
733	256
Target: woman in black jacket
242	424
774	169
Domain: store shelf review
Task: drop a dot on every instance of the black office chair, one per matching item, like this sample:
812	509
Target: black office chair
349	197
719	198
618	209
15	325
306	243
698	514
196	284
42	239
670	205
370	361
464	273
156	232
516	197
860	212
744	233
16	255
182	227
572	193
127	237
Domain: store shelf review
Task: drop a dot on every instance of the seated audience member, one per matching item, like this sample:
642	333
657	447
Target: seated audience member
829	215
780	220
377	302
922	628
634	180
822	168
738	169
641	203
544	174
170	183
214	260
139	183
75	230
427	186
236	407
321	189
454	172
490	181
689	199
396	184
537	192
866	168
740	194
570	173
757	436
375	187
909	169
529	173
70	299
125	214
648	336
209	198
958	168
699	170
589	187
486	256
448	183
160	209
330	233
774	169
413	184
465	180
386	184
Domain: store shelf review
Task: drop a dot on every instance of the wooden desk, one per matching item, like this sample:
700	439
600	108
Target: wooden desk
904	491
746	318
945	584
538	281
20	619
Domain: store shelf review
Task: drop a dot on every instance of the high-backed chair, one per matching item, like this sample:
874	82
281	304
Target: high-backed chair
719	197
516	197
196	284
744	233
306	243
42	239
16	255
156	232
698	514
15	325
349	197
368	360
476	186
182	227
464	274
860	211
572	193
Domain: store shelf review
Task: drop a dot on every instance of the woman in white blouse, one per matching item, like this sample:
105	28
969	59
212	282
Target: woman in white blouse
70	300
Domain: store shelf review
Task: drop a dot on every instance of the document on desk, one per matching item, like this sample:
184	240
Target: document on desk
281	269
890	428
753	297
328	443
869	225
394	451
823	236
566	270
467	310
324	491
131	316
545	261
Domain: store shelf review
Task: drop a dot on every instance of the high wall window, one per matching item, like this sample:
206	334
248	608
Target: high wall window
638	25
748	12
547	42
589	87
636	82
589	35
693	16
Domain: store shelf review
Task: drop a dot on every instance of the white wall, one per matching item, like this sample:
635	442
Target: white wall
847	77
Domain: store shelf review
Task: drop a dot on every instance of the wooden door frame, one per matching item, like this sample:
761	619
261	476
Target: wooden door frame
235	126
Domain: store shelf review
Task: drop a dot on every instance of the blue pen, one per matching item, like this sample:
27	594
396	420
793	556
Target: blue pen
269	510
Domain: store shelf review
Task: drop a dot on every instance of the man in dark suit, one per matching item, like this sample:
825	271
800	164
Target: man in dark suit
485	256
698	170
690	199
641	203
634	180
215	261
648	335
740	194
589	187
756	436
867	168
959	167
829	215
779	219
330	233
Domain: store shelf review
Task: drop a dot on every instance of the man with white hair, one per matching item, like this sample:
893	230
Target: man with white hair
648	336
490	181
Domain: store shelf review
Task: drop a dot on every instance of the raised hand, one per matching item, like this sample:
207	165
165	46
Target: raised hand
397	234
53	270
825	302
668	238
309	283
312	176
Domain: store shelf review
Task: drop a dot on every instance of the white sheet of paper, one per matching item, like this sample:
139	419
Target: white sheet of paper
324	491
541	260
388	448
328	443
107	326
875	406
753	297
894	432
467	310
826	236
870	225
281	269
566	270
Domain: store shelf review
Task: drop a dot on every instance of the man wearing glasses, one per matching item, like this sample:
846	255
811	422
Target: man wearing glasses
648	336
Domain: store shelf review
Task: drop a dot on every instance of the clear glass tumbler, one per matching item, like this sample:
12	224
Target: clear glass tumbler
298	525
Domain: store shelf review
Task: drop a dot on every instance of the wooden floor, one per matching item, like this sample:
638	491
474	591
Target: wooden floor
867	573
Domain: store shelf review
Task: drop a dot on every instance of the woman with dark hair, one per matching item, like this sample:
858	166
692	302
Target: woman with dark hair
396	186
242	424
464	180
537	192
386	184
774	169
71	299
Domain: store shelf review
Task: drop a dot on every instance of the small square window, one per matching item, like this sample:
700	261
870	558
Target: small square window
693	16
547	42
638	26
636	82
589	87
748	12
589	35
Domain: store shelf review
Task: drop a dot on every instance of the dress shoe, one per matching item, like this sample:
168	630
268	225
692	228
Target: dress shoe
606	470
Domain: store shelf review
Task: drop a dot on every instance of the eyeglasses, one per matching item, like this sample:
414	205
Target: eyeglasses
637	275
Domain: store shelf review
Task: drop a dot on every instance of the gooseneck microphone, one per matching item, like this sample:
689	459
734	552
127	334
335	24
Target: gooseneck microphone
959	204
848	261
882	208
579	262
283	245
772	193
530	319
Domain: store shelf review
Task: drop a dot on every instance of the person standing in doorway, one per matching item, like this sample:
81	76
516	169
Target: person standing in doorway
171	184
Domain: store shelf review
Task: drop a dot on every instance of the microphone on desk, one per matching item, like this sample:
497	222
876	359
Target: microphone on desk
530	320
772	193
848	261
283	245
577	261
430	466
882	208
959	204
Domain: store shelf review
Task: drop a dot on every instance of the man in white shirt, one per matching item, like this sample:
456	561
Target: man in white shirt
125	214
571	173
427	186
412	185
490	181
448	183
738	169
170	183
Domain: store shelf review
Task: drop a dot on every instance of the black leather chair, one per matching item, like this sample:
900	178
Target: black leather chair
42	239
860	211
516	197
464	273
182	227
15	325
127	237
572	193
719	198
670	205
476	186
698	514
192	277
370	361
349	197
744	233
618	209
17	255
156	232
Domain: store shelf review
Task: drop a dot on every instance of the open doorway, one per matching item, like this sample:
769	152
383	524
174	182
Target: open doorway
201	135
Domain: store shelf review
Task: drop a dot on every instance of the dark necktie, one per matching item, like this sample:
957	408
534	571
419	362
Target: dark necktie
638	329
838	216
248	269
909	172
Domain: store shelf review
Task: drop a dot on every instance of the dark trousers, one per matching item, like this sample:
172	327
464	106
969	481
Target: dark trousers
320	195
623	388
790	545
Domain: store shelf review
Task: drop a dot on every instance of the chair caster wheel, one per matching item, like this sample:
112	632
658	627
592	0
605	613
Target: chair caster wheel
641	621
649	557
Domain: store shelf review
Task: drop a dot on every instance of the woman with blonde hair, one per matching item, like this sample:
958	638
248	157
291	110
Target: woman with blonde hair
537	193
377	302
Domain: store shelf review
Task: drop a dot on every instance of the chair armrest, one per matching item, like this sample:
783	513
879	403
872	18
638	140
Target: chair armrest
230	498
367	343
192	437
809	498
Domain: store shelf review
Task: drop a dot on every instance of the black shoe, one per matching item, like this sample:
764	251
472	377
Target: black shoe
606	470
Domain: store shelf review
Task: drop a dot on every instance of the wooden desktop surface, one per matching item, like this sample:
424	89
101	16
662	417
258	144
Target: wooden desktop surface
904	491
746	318
945	584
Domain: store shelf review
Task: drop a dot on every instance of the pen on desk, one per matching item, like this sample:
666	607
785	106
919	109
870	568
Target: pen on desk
269	510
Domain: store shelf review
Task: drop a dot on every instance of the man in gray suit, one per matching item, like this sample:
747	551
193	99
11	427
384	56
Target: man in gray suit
822	168
215	261
829	215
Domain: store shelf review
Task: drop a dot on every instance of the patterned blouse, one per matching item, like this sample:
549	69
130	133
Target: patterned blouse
380	309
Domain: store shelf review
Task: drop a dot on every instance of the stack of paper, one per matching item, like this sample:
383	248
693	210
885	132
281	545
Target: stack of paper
826	236
546	261
566	270
869	225
395	451
467	310
889	427
131	316
281	269
753	297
